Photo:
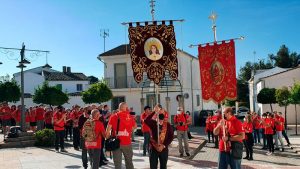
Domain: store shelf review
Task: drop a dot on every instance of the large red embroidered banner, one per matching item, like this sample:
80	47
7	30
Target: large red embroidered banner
217	70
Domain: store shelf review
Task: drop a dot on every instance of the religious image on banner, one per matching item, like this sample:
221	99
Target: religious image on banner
153	50
217	70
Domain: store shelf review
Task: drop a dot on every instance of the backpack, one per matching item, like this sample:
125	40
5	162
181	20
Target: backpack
14	132
88	132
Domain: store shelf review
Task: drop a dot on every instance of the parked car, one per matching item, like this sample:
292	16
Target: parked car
203	116
242	111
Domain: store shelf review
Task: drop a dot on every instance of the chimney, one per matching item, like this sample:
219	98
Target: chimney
64	69
68	69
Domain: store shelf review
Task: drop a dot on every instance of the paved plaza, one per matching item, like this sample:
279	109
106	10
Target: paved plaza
45	158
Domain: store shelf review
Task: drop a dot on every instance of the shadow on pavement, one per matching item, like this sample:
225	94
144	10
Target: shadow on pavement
282	164
73	166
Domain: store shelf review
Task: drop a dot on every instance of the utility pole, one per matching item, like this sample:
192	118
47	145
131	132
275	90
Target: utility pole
21	65
104	33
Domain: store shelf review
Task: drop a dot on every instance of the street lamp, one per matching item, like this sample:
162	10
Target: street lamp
22	66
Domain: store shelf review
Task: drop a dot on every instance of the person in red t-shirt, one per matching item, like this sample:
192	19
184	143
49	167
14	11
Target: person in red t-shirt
5	112
279	123
48	118
283	131
209	128
145	129
234	134
27	119
40	111
126	125
214	121
182	122
76	133
248	141
257	127
59	120
269	132
16	113
13	119
32	117
94	147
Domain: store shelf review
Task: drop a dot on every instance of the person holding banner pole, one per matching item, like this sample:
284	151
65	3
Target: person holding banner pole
233	138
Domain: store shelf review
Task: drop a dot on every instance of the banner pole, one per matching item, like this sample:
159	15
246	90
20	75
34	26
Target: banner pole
156	100
222	112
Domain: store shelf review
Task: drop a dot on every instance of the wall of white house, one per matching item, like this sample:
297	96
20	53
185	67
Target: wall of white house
31	81
253	90
291	115
278	81
70	86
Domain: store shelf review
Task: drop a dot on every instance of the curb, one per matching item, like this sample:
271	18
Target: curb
197	150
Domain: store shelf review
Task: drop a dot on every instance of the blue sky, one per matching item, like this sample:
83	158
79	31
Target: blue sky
70	29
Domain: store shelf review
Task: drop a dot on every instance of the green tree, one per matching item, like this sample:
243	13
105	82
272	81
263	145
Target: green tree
50	95
295	99
9	91
93	79
97	93
267	96
283	99
284	58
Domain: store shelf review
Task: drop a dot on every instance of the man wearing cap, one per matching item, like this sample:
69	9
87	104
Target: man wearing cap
182	121
145	129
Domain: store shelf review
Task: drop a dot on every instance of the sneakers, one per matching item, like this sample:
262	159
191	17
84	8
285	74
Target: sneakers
246	157
269	153
63	151
102	163
188	154
57	150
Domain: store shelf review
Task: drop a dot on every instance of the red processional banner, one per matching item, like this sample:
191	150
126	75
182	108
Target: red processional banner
217	70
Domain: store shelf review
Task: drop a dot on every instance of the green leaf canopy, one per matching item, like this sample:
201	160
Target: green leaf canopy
49	95
97	93
9	91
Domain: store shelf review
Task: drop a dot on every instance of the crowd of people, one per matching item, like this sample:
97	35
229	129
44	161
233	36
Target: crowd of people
266	130
76	123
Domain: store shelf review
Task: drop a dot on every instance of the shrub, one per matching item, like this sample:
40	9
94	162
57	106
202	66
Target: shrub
45	138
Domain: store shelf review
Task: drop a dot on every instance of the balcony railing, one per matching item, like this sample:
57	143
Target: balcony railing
122	82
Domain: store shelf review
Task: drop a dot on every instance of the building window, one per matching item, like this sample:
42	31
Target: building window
120	79
59	86
198	99
116	101
79	87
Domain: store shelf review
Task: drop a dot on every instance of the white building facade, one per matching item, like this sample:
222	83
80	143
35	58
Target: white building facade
69	82
254	88
277	79
119	76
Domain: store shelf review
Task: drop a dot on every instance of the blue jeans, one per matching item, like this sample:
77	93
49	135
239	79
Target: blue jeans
256	135
84	153
146	142
225	159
